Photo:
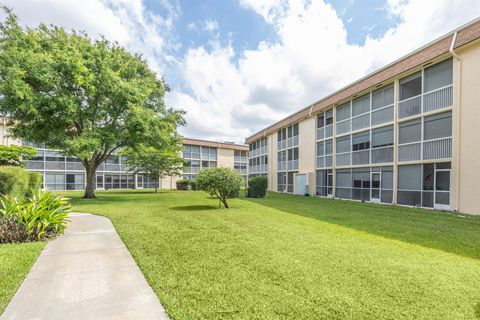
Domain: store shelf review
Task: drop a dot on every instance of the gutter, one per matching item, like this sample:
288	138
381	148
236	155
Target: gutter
458	122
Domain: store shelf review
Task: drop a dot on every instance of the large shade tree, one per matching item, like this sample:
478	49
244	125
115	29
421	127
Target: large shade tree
89	98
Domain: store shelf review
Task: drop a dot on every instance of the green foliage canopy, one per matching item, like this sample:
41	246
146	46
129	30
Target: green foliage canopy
88	98
220	182
14	155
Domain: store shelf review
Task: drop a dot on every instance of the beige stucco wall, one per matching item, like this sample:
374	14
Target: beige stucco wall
272	162
306	155
225	158
466	162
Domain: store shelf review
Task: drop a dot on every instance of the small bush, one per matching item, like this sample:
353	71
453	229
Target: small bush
14	181
223	183
257	187
34	183
42	216
183	184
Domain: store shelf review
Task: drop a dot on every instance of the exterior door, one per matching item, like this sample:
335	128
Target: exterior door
301	184
442	189
376	178
140	181
329	184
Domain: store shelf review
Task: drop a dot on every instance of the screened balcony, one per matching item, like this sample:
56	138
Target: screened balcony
427	90
427	138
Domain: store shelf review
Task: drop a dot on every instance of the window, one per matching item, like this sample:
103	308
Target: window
382	137
409	177
411	86
438	126
320	121
281	181
343	144
320	149
343	111
438	75
295	129
382	97
361	105
361	141
329	117
410	131
329	147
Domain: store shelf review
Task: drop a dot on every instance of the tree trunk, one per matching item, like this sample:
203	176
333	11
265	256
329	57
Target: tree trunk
90	183
224	201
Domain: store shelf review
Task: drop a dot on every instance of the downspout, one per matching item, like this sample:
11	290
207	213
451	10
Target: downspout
459	121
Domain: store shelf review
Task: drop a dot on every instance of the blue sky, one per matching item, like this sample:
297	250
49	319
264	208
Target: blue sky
237	66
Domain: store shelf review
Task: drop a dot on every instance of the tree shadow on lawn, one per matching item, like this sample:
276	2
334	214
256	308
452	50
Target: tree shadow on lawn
194	208
433	229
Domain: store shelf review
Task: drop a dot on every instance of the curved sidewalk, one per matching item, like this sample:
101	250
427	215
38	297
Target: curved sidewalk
87	273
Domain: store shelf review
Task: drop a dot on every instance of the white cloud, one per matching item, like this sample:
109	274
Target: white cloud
210	25
310	59
229	95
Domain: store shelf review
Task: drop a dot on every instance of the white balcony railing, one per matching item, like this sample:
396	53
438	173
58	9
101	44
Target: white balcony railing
360	122
343	159
437	149
320	133
410	151
382	154
426	102
292	164
328	131
427	150
410	107
343	126
292	142
382	115
282	166
282	144
438	99
361	157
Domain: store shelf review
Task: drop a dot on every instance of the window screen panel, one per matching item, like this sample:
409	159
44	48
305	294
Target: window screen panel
382	97
329	117
321	121
344	178
361	105
438	75
410	131
343	144
343	111
438	126
329	147
320	149
382	137
409	177
411	86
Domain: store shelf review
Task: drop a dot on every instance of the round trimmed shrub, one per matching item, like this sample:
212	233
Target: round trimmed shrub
257	187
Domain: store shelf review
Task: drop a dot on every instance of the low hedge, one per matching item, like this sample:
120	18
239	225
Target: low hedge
257	187
182	184
186	185
14	181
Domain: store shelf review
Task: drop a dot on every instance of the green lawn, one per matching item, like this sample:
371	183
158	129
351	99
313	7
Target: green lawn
15	262
287	257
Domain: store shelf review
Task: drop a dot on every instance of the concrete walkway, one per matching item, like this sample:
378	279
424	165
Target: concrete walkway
86	274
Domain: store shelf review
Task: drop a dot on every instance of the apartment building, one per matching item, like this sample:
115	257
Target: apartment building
67	173
202	154
405	134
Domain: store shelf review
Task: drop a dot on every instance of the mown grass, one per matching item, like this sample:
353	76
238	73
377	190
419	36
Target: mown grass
16	261
287	257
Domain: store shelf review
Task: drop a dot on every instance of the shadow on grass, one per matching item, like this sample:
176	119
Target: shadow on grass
433	229
194	208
